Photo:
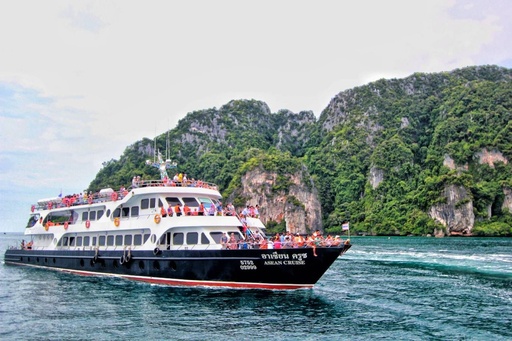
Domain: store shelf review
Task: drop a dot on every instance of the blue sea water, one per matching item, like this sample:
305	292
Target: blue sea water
398	288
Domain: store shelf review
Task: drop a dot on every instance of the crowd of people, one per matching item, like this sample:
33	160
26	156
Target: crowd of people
255	240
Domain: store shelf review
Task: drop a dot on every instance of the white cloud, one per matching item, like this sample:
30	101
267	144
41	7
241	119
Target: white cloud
79	81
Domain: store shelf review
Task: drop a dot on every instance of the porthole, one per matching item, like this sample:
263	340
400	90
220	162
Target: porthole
141	265
153	238
108	213
46	260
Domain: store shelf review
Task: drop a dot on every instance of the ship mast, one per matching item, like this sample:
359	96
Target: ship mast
158	161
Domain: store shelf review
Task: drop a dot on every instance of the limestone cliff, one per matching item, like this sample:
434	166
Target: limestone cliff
298	205
456	214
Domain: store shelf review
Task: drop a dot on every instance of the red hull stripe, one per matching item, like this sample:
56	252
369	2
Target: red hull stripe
182	282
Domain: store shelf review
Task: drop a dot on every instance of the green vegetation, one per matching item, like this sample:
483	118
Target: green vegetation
377	155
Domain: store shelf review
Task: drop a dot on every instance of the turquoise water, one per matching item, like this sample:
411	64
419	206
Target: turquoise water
389	289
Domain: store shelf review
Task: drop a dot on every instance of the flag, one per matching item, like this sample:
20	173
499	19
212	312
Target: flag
345	226
60	195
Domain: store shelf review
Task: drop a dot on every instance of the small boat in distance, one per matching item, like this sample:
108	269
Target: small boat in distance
163	231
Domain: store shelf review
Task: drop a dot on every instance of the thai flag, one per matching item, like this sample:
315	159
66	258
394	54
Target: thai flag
345	226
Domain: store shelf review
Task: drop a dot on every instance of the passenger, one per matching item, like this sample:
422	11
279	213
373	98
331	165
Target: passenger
336	241
23	244
177	209
180	178
218	207
211	210
233	243
270	244
201	209
163	212
257	211
277	242
299	240
186	209
224	240
263	244
169	211
231	209
311	243
245	211
29	245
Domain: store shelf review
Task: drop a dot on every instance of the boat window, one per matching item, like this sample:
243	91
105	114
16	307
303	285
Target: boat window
216	236
206	202
144	204
94	241
135	211
86	240
137	239
128	239
85	216
64	241
101	241
100	214
192	238
160	203
59	217
119	240
117	213
110	240
126	212
71	241
146	237
177	238
32	220
78	241
152	203
172	201
191	202
204	239
92	215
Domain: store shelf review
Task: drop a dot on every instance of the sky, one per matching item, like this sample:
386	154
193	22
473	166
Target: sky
82	80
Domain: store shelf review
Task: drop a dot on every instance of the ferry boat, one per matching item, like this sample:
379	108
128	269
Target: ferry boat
137	234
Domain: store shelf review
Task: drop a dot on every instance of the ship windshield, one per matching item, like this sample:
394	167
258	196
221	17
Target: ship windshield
33	220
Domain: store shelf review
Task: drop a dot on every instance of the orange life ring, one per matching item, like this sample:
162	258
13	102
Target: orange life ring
157	218
87	223
114	196
116	221
66	225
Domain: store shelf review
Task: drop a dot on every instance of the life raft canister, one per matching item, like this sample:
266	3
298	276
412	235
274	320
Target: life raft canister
157	218
87	223
116	221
